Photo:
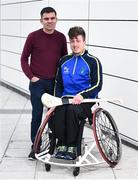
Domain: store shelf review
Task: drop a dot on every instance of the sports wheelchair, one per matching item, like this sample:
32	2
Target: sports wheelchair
99	142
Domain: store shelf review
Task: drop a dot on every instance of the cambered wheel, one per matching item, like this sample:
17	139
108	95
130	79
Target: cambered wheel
42	141
107	136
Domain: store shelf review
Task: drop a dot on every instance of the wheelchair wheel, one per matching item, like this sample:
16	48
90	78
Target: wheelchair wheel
107	136
42	141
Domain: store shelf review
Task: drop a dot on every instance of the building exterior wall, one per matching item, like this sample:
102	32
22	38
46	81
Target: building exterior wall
111	28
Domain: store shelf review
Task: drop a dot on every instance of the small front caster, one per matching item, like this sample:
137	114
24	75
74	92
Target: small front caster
76	171
47	167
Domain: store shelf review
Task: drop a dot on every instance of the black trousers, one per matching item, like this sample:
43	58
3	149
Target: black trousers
67	120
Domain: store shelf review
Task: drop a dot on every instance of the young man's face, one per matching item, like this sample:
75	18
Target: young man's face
49	21
77	44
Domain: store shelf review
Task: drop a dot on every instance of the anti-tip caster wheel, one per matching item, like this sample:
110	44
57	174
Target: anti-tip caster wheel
47	167
76	171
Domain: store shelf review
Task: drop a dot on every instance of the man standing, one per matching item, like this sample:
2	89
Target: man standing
39	60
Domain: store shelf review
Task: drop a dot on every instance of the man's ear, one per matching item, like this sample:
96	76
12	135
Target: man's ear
41	20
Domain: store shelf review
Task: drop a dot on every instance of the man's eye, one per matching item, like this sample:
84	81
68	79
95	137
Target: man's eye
52	18
49	18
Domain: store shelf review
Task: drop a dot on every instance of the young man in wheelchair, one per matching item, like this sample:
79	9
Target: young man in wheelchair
79	76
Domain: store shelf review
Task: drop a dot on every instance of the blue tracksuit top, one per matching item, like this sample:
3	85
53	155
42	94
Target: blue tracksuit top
78	75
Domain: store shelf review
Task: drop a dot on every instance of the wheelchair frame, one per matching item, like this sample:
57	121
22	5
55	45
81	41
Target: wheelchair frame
107	141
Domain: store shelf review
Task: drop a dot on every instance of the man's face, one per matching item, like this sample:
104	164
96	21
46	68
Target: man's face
77	44
49	21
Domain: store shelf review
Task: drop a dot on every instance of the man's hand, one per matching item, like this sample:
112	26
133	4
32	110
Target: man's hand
34	79
77	99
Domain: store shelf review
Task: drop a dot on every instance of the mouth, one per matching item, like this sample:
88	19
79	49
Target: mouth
75	49
50	25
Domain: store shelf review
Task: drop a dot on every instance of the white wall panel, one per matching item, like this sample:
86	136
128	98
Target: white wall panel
114	9
32	10
126	120
114	34
11	11
119	88
9	1
28	1
70	9
11	28
10	59
15	78
119	63
11	44
10	75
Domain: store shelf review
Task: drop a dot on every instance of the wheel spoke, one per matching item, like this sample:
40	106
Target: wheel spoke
107	136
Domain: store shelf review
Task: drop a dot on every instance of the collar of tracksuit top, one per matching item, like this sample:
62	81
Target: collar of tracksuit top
77	72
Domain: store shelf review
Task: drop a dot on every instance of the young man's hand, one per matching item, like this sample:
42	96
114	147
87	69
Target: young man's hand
77	99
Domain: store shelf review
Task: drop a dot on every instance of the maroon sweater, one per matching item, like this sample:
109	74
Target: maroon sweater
45	51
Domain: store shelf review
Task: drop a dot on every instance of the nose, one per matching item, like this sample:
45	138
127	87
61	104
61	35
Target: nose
75	44
49	20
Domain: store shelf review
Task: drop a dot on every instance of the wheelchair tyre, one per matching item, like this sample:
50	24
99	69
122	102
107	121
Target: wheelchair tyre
107	136
76	171
42	138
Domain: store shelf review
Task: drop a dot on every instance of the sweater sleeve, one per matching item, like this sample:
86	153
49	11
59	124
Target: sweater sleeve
25	57
64	47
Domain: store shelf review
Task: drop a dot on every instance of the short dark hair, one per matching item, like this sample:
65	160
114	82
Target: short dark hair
75	31
47	10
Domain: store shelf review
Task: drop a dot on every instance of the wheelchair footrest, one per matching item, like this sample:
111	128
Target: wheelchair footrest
88	158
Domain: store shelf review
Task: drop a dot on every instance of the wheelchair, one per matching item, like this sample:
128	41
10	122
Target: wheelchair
98	142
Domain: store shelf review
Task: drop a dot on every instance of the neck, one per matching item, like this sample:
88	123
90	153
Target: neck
48	31
80	53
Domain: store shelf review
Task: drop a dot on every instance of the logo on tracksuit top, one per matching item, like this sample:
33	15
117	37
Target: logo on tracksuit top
66	70
82	70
